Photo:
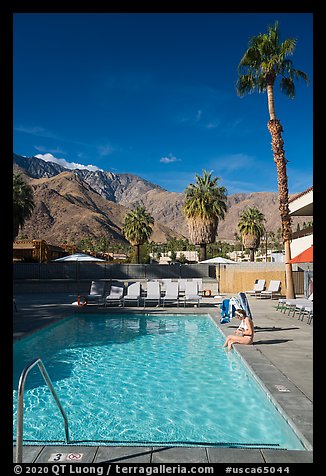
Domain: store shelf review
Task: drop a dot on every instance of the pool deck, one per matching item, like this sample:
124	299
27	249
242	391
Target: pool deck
281	357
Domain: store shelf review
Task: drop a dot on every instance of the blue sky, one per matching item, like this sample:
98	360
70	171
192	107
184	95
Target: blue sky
153	94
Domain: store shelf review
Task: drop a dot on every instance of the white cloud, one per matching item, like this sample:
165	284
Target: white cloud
41	148
36	131
213	124
238	186
234	162
65	163
104	150
199	119
168	160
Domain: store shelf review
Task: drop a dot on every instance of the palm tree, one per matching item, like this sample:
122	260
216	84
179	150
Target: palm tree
137	227
251	226
205	205
238	242
264	61
23	203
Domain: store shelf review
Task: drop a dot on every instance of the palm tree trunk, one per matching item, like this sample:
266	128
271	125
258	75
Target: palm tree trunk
270	99
275	129
202	252
137	253
252	254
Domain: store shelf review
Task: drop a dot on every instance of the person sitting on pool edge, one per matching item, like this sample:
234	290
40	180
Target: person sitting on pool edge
245	332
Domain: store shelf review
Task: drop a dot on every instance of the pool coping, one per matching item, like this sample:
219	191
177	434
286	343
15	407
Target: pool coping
294	405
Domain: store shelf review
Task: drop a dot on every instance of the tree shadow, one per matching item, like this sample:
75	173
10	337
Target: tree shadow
274	329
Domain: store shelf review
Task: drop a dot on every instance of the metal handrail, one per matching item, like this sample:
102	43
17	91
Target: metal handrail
20	406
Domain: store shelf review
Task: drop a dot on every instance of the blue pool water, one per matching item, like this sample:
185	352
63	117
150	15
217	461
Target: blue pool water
137	379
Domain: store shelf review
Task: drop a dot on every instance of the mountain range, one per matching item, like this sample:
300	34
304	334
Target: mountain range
74	204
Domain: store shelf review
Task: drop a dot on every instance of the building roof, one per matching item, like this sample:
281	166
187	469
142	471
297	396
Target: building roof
30	245
23	245
298	195
302	204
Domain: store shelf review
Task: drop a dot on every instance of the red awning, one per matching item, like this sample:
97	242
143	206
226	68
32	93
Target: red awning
305	256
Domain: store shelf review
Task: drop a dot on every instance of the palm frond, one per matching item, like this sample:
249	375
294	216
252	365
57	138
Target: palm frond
252	222
287	48
287	87
265	59
23	202
138	226
301	75
204	206
245	84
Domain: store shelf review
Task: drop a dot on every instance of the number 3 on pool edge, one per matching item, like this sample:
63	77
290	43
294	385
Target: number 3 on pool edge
57	457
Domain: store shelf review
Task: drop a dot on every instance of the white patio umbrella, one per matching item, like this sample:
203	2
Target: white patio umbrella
217	260
78	257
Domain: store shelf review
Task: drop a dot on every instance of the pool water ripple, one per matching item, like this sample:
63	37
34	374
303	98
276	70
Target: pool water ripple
145	379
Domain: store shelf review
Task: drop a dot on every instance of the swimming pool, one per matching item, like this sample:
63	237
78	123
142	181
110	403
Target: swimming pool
144	379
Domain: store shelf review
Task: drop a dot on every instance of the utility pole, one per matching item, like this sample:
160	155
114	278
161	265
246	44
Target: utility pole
266	238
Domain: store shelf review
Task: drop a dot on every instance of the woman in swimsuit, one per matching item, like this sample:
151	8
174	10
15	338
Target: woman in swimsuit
245	332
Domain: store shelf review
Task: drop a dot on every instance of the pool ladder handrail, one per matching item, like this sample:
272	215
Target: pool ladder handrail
20	406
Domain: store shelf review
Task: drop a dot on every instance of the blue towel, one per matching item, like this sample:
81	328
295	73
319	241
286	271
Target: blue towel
227	310
224	306
224	320
244	304
229	306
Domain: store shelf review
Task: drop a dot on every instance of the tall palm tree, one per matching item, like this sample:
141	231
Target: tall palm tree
265	60
23	203
251	226
137	227
205	205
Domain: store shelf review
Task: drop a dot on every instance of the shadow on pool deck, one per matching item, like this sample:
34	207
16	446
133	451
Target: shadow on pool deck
273	359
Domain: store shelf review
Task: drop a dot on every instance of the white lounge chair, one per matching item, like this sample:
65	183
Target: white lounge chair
133	293
164	282
294	305
182	285
305	310
116	294
191	293
273	288
153	293
172	293
96	292
310	316
259	286
289	304
200	284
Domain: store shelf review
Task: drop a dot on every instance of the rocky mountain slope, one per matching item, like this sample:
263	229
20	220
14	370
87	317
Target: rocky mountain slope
68	209
73	204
